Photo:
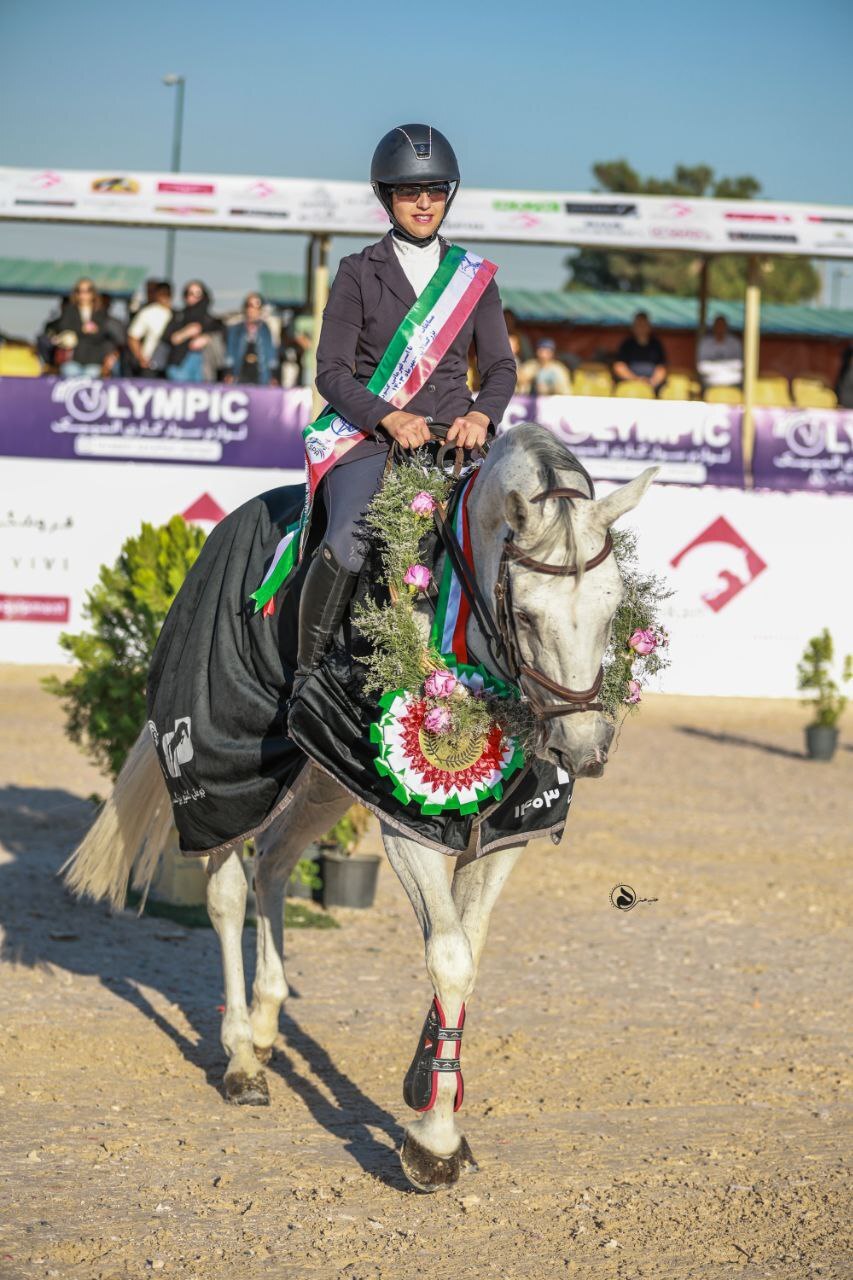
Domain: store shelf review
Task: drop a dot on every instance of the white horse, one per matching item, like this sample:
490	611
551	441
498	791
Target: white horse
560	626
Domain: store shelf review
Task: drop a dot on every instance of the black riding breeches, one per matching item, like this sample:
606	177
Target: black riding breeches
347	490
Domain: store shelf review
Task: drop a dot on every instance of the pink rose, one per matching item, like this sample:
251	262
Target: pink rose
438	720
634	693
423	503
643	642
440	684
417	576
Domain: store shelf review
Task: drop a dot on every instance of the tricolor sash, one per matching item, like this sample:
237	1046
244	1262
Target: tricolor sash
423	337
452	609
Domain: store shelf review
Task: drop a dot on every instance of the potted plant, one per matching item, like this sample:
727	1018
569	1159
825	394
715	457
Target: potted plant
349	878
304	880
815	672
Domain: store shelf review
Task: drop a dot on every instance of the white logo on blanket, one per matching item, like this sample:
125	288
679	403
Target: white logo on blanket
178	746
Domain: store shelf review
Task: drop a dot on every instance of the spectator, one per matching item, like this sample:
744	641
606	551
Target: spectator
641	357
145	335
719	356
545	375
844	385
250	350
192	334
82	339
303	336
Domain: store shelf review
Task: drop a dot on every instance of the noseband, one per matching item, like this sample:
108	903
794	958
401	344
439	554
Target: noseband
575	699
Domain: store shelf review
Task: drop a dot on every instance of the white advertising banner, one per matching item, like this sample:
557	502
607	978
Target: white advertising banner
755	575
60	521
257	203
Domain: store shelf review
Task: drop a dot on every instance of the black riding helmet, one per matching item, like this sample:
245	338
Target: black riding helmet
414	153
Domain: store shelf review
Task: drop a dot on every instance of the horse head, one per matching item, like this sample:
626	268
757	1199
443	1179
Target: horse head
560	622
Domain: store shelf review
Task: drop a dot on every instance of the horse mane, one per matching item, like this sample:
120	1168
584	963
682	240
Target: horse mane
550	456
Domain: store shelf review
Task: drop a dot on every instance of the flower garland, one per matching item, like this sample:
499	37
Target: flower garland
638	646
447	706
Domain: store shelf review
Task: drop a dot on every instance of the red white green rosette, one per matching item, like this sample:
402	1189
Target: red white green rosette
438	772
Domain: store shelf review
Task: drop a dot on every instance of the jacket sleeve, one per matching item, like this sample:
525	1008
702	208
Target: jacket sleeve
495	360
342	322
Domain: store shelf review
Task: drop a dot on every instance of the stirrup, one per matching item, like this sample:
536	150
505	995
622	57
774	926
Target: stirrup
420	1087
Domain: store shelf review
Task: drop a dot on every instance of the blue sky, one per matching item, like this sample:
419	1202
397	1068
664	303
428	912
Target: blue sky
530	95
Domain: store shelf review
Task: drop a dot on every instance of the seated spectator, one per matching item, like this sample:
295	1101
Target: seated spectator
250	350
82	338
641	357
145	334
194	336
719	356
545	375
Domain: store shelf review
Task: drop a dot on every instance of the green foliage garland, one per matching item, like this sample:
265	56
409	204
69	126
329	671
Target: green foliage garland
639	610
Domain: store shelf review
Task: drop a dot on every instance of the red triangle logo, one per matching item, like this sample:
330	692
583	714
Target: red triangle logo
204	508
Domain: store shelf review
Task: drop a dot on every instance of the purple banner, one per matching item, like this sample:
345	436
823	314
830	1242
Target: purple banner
692	442
804	449
146	420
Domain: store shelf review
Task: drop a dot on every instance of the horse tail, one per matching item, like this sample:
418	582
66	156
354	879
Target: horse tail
129	833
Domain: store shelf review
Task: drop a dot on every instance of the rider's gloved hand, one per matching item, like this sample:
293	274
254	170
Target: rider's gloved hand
469	431
409	429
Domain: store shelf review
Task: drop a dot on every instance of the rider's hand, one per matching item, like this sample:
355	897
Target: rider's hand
409	429
469	430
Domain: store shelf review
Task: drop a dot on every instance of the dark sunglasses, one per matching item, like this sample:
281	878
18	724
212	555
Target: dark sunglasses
412	190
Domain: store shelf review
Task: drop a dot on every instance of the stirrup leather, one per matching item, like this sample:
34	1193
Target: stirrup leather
420	1087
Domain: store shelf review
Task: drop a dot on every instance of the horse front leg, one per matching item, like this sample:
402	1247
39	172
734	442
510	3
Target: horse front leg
227	892
434	1150
477	883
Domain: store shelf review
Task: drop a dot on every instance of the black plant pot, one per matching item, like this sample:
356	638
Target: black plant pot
349	881
821	741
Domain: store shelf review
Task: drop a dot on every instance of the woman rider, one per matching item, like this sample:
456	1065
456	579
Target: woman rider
415	176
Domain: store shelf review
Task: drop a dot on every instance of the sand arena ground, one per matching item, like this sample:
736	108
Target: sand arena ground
653	1093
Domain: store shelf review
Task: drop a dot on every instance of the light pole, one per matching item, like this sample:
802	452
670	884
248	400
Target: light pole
179	83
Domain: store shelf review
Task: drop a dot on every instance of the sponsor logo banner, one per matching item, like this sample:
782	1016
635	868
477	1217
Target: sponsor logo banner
804	449
121	419
692	443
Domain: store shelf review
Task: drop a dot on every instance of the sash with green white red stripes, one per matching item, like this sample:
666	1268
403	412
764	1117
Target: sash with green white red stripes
452	609
424	336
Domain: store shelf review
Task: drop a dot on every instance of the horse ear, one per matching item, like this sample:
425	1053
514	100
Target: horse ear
517	511
624	499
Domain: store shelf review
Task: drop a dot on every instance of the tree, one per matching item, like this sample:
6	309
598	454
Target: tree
786	279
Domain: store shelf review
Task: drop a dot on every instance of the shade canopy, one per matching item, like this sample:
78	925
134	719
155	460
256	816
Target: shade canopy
46	278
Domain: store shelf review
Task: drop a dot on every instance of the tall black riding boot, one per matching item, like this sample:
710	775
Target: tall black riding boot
325	594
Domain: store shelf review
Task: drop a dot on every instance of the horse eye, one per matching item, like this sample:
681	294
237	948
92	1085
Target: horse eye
523	619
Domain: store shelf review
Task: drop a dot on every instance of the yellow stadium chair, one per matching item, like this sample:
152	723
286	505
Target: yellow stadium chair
813	393
634	390
816	397
18	362
723	395
678	386
592	381
772	390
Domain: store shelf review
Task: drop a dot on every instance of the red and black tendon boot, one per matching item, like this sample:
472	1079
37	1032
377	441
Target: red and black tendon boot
420	1086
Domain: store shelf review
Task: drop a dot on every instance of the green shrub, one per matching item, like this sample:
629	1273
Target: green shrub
348	832
814	672
105	697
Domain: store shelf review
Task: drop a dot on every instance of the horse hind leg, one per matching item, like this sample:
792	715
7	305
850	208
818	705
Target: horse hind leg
227	891
317	804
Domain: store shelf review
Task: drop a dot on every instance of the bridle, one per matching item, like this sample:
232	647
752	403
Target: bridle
576	700
498	631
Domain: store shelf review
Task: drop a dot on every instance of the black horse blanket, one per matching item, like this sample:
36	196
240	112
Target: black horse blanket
219	698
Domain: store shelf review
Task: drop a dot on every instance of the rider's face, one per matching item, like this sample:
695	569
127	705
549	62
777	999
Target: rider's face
420	215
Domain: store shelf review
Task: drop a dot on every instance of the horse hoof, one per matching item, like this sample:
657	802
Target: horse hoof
427	1171
263	1055
247	1091
466	1158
